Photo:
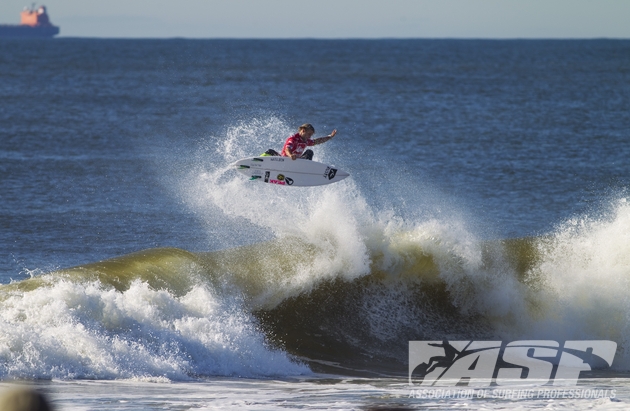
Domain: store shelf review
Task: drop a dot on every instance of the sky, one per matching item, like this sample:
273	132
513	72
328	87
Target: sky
499	19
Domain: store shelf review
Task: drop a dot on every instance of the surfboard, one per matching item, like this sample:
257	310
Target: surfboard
286	172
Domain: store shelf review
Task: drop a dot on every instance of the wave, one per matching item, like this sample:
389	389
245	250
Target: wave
337	279
257	311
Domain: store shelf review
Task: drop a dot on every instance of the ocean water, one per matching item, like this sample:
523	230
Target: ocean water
488	200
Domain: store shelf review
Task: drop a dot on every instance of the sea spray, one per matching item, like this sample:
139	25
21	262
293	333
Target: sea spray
582	279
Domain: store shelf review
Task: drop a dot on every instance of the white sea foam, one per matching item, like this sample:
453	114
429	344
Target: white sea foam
75	330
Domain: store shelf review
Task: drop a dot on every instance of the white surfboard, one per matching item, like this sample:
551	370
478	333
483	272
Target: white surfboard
286	172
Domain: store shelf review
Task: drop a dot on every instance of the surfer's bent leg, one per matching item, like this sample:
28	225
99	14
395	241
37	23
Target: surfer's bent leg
272	152
308	155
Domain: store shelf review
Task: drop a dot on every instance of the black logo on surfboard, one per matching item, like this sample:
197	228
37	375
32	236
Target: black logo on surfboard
330	173
267	176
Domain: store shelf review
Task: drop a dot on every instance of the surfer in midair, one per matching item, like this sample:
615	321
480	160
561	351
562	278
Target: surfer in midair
296	144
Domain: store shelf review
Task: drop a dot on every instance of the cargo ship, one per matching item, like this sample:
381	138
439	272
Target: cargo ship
35	23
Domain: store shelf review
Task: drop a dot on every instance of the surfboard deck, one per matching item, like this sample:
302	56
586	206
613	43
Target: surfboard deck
286	172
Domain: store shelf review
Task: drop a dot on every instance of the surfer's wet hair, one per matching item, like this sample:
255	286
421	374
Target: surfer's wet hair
306	126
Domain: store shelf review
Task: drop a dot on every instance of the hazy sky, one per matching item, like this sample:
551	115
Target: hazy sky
335	18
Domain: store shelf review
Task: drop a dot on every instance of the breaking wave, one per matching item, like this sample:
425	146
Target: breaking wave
258	311
337	279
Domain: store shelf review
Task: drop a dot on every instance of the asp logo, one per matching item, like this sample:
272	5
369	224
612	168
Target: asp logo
485	363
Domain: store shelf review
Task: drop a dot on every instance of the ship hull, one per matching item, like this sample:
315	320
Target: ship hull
23	31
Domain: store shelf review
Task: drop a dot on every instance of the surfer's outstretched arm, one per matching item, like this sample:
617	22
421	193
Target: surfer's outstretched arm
321	140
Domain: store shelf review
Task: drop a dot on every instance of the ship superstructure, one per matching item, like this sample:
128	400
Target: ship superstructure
34	23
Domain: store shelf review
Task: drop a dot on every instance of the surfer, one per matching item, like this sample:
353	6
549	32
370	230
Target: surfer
296	144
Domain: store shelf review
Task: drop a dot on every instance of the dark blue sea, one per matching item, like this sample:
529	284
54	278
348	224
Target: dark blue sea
487	200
